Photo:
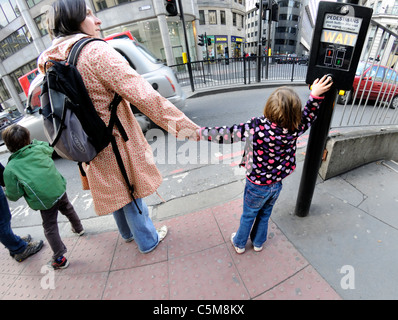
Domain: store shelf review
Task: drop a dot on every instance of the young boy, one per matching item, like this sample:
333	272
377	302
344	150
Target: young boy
20	248
31	173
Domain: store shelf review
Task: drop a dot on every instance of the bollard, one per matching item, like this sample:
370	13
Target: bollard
316	144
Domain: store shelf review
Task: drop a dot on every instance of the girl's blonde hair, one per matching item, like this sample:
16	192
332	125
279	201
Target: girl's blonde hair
283	107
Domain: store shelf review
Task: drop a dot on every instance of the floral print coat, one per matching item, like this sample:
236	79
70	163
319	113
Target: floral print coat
104	72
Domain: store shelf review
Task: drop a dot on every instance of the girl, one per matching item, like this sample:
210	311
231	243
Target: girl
104	72
269	157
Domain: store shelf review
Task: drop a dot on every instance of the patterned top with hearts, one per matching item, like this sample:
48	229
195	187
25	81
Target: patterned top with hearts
270	151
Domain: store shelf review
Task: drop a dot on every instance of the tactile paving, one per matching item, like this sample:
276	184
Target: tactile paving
305	285
93	253
192	233
195	261
127	255
8	265
26	288
206	275
77	287
6	281
141	283
263	270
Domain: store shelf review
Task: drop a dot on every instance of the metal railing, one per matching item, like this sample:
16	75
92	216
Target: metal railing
221	72
373	100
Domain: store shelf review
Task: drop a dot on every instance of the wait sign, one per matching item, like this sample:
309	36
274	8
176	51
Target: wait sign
336	37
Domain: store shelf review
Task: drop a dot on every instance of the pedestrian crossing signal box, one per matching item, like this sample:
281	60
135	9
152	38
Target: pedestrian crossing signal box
337	42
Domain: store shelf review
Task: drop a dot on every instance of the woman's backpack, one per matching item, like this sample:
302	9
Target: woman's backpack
71	123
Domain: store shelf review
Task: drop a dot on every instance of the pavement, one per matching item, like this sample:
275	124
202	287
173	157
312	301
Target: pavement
343	250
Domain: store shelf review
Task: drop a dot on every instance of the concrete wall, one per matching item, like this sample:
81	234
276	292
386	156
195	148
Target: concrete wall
351	149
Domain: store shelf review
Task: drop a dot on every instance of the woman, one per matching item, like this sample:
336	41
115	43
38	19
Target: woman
104	72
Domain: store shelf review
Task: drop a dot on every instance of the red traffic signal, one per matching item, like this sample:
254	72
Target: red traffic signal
171	7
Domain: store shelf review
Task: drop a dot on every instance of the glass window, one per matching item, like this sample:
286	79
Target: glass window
3	19
32	3
41	24
103	4
202	17
212	17
8	9
380	73
222	17
15	42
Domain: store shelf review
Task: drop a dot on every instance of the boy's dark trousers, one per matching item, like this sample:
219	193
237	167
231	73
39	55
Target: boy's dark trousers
50	224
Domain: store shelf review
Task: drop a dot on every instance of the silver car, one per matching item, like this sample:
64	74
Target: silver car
161	77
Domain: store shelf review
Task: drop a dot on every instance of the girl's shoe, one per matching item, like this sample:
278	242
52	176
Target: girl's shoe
238	250
60	263
257	249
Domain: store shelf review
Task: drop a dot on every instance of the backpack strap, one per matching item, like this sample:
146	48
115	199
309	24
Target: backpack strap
77	47
114	120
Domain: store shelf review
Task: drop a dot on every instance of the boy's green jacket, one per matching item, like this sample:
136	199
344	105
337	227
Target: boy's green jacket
31	173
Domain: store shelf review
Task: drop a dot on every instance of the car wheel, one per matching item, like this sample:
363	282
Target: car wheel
346	98
394	103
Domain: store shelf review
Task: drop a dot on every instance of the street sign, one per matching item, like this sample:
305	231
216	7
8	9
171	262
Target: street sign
339	36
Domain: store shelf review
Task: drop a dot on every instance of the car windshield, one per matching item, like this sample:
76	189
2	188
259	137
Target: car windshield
361	67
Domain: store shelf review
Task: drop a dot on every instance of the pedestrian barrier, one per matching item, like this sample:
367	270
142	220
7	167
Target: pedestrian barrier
232	71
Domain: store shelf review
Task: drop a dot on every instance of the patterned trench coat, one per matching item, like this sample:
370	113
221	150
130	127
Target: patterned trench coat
105	71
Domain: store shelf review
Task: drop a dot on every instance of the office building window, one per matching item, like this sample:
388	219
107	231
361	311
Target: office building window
104	4
15	42
9	11
41	24
32	3
202	17
222	17
212	17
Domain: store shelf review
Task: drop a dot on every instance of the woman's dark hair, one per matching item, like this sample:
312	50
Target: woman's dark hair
66	17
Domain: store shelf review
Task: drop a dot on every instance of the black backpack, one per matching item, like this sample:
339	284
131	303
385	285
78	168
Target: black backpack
71	123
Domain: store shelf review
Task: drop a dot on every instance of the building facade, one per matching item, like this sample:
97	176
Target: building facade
231	27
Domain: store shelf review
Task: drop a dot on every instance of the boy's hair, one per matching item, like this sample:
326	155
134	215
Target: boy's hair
283	107
16	137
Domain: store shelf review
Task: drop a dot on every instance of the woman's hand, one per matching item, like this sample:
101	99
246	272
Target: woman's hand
321	86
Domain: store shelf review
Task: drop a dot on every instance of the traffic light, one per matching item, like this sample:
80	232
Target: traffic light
263	41
275	9
201	41
265	8
171	7
209	41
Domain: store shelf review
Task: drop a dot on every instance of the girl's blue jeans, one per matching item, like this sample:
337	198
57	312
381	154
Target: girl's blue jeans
7	237
258	203
132	224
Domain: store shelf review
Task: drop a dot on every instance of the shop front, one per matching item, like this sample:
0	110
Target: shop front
221	42
236	46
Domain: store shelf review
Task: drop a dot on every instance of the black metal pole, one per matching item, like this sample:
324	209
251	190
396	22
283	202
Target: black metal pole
186	45
316	145
260	32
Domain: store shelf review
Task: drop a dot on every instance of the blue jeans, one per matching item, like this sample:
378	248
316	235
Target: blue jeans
257	207
7	237
140	226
